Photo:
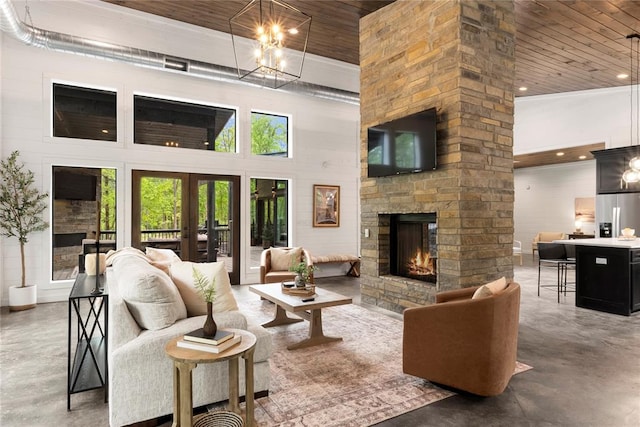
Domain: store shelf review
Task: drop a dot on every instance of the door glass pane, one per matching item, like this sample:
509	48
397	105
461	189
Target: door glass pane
215	239
269	216
281	218
160	213
78	194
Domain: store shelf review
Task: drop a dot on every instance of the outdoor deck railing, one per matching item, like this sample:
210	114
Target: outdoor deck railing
172	237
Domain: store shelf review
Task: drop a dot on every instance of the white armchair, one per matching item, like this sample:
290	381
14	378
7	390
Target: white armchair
517	249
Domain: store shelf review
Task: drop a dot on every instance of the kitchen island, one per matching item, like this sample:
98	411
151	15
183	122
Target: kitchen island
607	274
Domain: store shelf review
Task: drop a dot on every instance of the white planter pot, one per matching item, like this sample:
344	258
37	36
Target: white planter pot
22	298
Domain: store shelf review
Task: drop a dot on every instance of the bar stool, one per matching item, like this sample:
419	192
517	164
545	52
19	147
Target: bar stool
555	255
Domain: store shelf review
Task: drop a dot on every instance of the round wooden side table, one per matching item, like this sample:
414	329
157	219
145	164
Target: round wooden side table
185	360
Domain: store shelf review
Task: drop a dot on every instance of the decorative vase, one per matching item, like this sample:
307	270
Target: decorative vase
210	328
300	282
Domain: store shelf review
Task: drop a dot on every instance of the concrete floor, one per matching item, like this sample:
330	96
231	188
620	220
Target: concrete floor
586	368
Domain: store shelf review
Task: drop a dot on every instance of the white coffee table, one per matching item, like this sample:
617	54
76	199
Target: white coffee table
311	311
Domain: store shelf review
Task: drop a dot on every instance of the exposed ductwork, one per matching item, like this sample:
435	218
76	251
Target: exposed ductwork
11	24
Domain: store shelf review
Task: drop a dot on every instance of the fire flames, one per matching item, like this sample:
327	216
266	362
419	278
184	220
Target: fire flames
421	265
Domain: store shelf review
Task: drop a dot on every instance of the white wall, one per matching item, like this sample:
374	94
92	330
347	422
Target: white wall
570	119
545	196
545	199
324	140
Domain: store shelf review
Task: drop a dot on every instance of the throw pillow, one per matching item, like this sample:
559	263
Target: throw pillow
126	253
490	288
182	274
283	258
152	299
155	254
161	258
482	292
497	285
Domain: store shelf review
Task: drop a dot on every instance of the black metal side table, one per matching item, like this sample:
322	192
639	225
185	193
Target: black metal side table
88	368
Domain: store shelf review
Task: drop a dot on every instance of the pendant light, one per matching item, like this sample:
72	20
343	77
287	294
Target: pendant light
269	42
632	174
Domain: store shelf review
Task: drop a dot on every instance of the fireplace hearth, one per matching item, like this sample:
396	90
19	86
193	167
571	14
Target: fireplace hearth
413	247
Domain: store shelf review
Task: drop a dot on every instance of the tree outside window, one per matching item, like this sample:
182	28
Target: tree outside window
269	135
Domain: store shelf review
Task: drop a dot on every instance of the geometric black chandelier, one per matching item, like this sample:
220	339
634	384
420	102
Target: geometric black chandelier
269	42
632	174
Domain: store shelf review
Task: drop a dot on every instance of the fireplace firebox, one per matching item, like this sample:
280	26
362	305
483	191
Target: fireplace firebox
413	247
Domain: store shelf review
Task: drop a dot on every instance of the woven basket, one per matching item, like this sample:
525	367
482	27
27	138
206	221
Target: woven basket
218	419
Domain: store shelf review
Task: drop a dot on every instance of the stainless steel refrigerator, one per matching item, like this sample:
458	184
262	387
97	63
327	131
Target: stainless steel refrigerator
617	211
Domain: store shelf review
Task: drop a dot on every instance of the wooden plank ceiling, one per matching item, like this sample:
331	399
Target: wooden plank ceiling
561	46
554	157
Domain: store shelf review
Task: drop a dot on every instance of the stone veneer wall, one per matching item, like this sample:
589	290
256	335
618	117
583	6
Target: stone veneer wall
457	56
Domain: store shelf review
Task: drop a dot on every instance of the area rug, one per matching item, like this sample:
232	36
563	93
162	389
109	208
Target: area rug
354	382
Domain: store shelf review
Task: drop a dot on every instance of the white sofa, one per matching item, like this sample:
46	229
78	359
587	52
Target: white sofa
140	373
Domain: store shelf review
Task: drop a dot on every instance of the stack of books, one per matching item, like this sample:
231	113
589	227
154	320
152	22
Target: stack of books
196	340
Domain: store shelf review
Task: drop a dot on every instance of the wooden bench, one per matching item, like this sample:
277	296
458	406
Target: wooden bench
353	261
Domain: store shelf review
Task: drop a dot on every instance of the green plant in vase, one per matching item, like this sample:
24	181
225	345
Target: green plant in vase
206	288
304	273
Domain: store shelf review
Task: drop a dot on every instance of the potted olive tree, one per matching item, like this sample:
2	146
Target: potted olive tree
21	206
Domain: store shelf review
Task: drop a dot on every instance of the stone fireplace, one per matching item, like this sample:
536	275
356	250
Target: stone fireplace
413	251
458	57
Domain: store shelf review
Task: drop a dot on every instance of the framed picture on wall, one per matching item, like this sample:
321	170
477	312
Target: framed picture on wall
326	205
585	210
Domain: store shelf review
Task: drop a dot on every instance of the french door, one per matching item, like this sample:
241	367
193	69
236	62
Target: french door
195	215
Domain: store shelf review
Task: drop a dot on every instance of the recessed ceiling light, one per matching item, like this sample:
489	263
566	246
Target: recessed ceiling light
582	157
622	76
560	153
522	88
105	131
206	143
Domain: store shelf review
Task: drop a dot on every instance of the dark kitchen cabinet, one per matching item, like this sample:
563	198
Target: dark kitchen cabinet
608	279
610	165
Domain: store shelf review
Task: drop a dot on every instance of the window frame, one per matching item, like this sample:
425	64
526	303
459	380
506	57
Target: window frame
183	100
48	97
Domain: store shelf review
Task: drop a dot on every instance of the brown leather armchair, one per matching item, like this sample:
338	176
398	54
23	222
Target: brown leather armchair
271	272
468	344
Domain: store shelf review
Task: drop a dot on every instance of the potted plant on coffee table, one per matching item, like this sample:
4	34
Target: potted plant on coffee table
21	207
303	272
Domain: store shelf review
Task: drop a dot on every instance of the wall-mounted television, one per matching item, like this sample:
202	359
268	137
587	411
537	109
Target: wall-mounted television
74	186
404	145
